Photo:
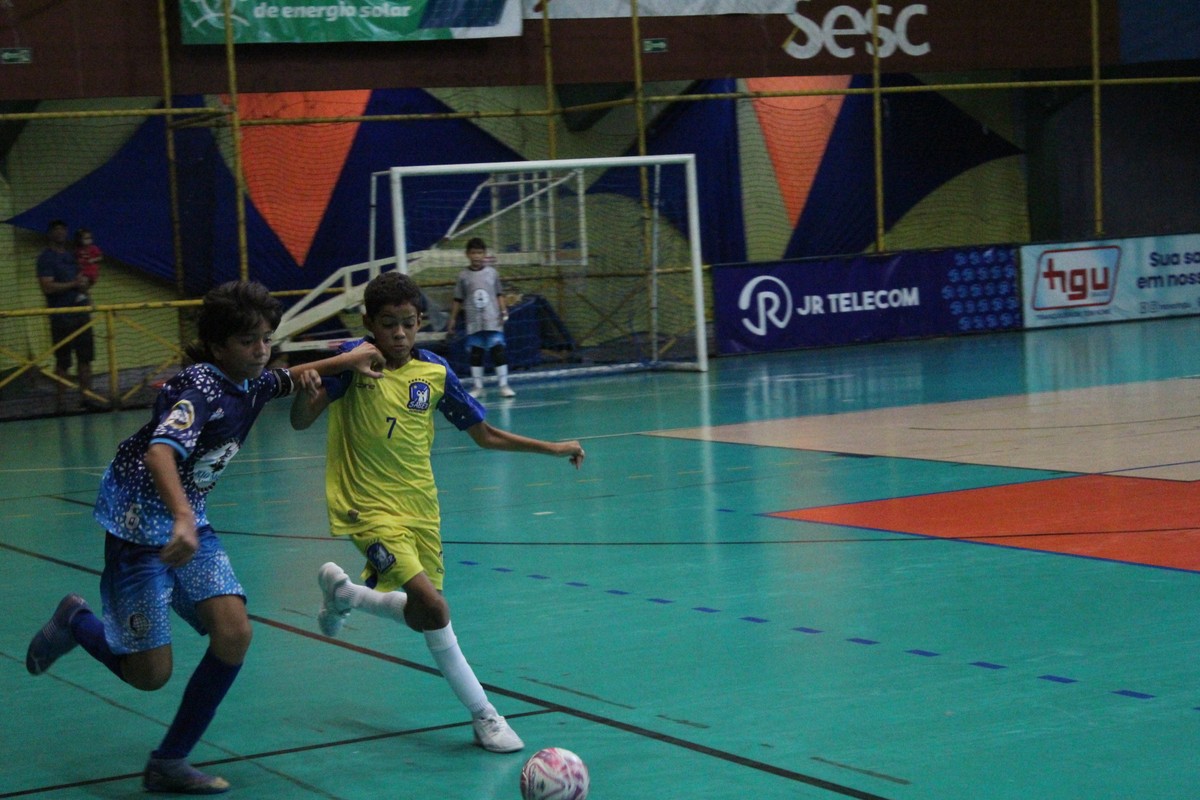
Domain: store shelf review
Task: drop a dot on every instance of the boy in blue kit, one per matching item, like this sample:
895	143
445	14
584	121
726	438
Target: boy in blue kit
160	551
380	490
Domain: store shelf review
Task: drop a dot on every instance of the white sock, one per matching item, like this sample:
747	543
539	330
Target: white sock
443	644
477	376
502	374
389	605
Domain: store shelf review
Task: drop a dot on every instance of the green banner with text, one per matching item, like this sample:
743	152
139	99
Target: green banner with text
315	21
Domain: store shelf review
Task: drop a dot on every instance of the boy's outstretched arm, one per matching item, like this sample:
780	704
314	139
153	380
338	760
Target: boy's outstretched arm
364	359
496	439
311	398
309	401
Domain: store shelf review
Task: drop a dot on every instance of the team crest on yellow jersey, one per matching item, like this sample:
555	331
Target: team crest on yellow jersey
419	393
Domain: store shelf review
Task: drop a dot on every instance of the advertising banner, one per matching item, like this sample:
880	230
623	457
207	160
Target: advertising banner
756	38
303	21
1109	281
597	9
688	39
787	305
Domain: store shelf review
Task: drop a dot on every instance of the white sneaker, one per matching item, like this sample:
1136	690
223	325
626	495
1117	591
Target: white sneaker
507	391
334	610
493	733
476	392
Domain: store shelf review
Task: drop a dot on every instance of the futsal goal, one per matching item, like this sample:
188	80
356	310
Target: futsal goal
599	258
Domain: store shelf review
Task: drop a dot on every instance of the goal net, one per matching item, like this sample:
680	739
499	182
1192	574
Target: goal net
599	259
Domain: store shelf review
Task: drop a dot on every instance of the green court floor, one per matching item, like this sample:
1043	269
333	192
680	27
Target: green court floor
653	612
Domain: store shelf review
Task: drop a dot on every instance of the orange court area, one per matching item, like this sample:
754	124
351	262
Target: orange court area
1133	520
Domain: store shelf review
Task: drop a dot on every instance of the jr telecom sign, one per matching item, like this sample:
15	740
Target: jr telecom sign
300	21
786	305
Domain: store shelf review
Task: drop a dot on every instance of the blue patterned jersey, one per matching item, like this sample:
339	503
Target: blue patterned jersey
205	417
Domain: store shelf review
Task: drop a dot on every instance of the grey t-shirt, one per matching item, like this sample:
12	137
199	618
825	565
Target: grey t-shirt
477	290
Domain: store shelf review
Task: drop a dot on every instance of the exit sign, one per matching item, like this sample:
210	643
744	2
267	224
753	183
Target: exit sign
16	55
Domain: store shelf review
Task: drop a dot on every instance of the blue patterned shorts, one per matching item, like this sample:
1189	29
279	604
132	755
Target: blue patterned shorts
138	590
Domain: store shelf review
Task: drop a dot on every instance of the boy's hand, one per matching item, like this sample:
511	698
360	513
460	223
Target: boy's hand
367	360
183	545
573	451
308	381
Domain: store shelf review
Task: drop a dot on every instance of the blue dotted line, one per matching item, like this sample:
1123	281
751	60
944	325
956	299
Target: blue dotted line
1060	679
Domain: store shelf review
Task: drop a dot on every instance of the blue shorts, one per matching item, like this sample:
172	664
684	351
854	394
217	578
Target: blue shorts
485	340
138	590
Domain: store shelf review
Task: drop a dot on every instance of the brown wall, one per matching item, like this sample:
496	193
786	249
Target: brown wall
110	48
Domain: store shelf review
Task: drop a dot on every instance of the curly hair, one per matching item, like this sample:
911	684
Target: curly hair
231	309
392	288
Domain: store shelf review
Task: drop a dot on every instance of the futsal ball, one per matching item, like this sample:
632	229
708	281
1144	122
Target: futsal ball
554	774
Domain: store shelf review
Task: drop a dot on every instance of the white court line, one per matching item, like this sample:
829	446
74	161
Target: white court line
1149	429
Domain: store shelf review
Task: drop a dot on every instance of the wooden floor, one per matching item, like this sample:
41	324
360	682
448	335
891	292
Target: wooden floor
961	568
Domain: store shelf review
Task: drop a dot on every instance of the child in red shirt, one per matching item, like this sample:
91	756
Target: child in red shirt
88	255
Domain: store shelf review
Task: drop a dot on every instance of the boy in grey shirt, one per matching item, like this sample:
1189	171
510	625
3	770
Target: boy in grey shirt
478	292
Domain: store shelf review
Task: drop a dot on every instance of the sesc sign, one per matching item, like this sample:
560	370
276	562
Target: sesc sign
844	30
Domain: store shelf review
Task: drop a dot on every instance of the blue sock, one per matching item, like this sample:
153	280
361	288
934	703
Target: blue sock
203	694
88	630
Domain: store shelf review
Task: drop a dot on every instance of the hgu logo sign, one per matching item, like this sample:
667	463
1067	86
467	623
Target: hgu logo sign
844	29
1076	277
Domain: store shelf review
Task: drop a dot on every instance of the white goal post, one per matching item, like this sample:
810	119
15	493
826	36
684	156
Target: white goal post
608	247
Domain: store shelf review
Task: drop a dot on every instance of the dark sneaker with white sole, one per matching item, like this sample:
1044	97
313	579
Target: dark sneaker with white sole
177	776
54	640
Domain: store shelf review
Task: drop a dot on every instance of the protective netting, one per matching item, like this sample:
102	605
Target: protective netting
791	172
45	160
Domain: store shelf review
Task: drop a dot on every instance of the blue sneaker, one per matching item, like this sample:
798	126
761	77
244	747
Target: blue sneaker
54	639
177	776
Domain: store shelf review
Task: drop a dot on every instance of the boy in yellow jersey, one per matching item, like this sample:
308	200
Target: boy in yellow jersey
380	490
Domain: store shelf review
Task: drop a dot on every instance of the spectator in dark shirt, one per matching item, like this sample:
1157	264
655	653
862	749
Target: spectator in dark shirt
62	283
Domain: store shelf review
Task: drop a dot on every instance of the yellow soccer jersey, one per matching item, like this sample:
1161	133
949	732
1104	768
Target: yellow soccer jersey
377	469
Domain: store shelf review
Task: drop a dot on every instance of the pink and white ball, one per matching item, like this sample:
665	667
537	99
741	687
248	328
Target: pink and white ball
554	774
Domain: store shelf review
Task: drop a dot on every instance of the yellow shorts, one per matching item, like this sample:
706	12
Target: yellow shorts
397	555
